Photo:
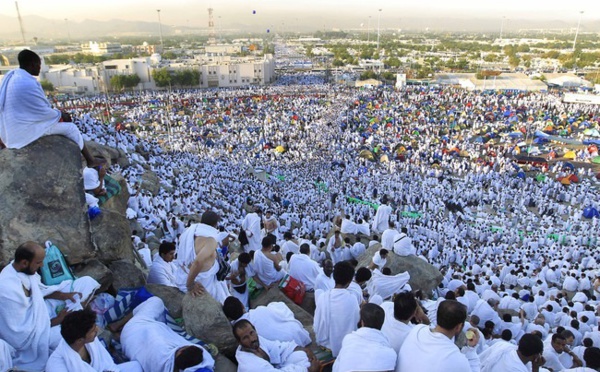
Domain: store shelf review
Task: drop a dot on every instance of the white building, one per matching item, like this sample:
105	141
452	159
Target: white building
227	71
100	49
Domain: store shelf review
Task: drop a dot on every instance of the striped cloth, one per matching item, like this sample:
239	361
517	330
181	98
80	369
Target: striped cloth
112	188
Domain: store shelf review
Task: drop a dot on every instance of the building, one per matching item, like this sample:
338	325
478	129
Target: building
146	48
505	81
224	48
227	71
101	49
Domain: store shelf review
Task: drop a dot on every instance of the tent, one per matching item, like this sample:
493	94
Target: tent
573	178
565	181
540	177
591	212
596	160
384	158
569	155
366	154
280	149
569	166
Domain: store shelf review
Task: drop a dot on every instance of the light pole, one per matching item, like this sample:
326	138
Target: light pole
378	20
369	30
577	30
502	27
162	46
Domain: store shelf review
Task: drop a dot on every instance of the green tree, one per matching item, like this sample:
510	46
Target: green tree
47	86
338	63
162	77
121	82
370	74
393	62
186	77
514	61
169	55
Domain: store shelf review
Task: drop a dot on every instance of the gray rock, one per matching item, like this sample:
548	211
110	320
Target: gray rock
134	225
42	198
203	317
111	234
150	182
126	275
98	271
101	151
118	203
423	275
222	364
123	160
171	296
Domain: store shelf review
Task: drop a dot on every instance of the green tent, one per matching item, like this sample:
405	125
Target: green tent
540	177
596	160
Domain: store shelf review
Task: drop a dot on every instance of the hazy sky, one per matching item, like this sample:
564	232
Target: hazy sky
194	14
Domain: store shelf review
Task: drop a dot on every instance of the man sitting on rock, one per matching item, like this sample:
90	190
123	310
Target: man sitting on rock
162	270
25	322
258	354
93	181
80	350
197	263
273	322
26	114
147	339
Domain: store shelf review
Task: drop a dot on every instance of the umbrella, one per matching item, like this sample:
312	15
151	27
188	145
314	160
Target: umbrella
569	166
540	177
569	155
596	160
366	154
591	212
565	181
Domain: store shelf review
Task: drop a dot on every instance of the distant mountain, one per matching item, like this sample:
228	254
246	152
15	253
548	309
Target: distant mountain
49	30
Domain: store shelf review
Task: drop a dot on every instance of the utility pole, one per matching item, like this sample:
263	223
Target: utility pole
21	23
68	32
378	21
162	46
577	30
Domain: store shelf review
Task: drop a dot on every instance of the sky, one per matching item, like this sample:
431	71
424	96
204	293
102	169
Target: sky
194	14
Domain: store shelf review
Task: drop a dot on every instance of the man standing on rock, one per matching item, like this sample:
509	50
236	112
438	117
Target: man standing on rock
197	263
26	114
251	225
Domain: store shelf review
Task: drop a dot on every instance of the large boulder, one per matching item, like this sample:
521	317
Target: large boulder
123	160
126	275
150	182
111	234
42	198
171	296
203	317
423	275
98	271
118	203
102	151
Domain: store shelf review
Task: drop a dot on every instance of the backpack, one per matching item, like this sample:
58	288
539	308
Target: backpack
293	289
55	269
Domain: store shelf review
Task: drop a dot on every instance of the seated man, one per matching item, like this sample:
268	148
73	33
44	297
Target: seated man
26	114
367	349
504	356
80	350
273	322
398	316
196	261
337	310
147	339
267	265
240	275
304	269
25	322
258	354
162	270
93	181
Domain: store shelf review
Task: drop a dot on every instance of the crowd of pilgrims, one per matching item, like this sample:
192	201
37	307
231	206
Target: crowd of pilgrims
516	251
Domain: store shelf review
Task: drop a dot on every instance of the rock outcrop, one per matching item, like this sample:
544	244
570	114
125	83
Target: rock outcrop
126	275
112	236
41	188
171	296
203	317
423	275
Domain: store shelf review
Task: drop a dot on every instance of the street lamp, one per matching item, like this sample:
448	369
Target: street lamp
369	30
378	20
162	46
577	30
502	27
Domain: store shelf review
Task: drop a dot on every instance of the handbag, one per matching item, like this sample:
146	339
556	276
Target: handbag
293	289
224	268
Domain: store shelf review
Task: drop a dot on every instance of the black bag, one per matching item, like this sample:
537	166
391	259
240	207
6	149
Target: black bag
243	238
224	268
241	289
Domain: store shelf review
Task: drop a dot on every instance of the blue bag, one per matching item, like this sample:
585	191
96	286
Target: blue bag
55	269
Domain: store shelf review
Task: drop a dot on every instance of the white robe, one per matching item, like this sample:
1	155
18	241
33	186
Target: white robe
502	357
186	254
149	340
281	355
366	349
382	217
162	272
7	353
395	330
337	314
65	359
264	269
388	285
304	269
25	113
24	321
251	224
425	350
277	322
